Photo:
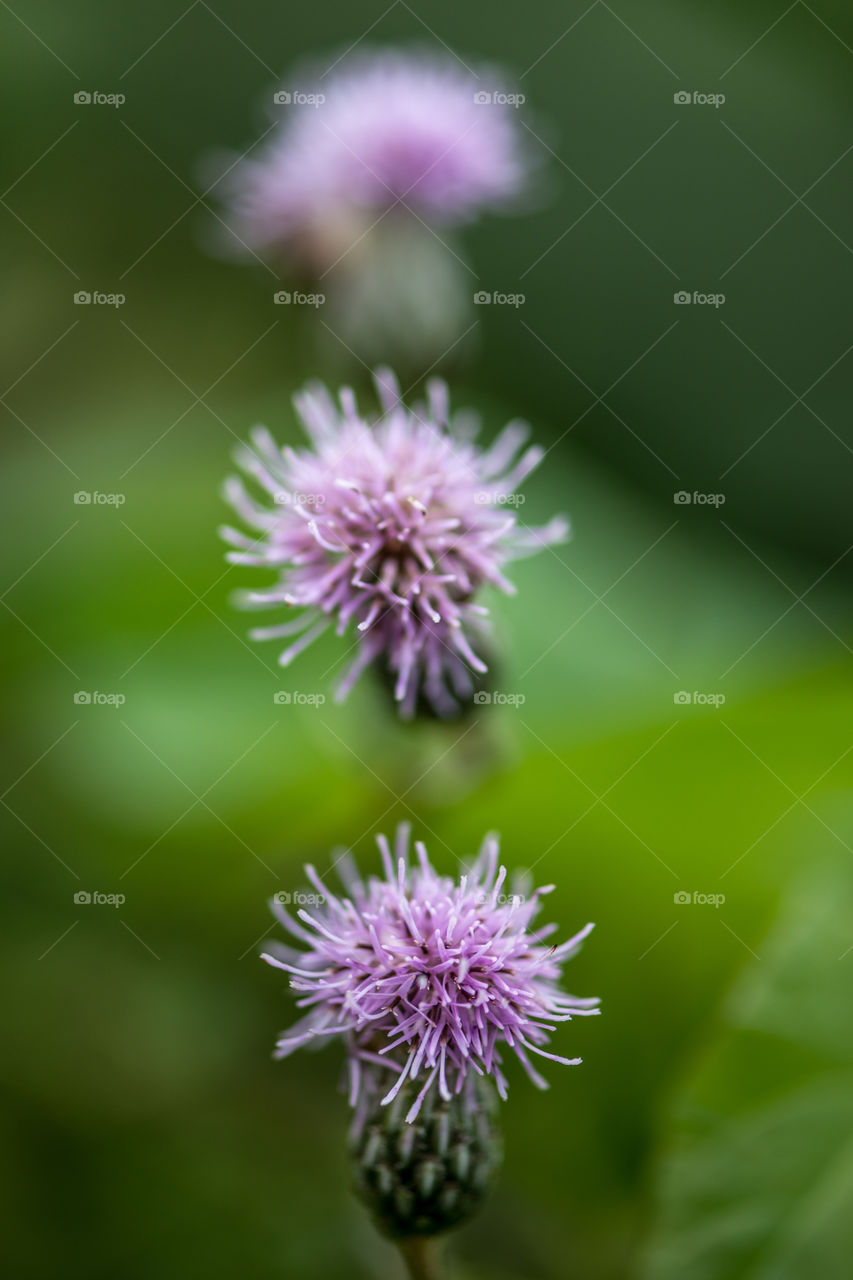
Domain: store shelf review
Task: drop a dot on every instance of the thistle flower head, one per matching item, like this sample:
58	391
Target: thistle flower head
387	129
393	527
428	980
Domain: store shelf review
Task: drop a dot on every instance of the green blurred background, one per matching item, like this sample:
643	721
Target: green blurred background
147	1132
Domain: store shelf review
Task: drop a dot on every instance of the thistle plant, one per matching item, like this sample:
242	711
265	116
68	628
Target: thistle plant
389	129
430	983
392	527
372	161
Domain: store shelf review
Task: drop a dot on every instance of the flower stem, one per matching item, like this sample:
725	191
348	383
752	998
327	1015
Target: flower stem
421	1257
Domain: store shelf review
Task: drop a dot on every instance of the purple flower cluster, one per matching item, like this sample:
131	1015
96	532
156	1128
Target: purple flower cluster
427	979
393	526
388	129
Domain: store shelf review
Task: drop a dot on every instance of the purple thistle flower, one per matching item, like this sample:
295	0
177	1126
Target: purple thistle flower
394	527
391	129
425	978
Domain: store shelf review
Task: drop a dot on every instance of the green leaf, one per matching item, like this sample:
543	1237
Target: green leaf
758	1181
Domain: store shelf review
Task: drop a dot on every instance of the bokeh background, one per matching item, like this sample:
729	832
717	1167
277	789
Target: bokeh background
147	1131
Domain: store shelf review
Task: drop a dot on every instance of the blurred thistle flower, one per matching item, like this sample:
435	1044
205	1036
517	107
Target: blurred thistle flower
388	129
428	980
393	526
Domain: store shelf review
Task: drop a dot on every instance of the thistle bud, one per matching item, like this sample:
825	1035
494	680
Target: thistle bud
424	1177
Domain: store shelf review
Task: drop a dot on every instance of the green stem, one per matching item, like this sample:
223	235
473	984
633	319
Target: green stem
421	1257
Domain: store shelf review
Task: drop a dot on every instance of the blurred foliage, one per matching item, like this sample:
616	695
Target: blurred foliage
148	1132
760	1181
